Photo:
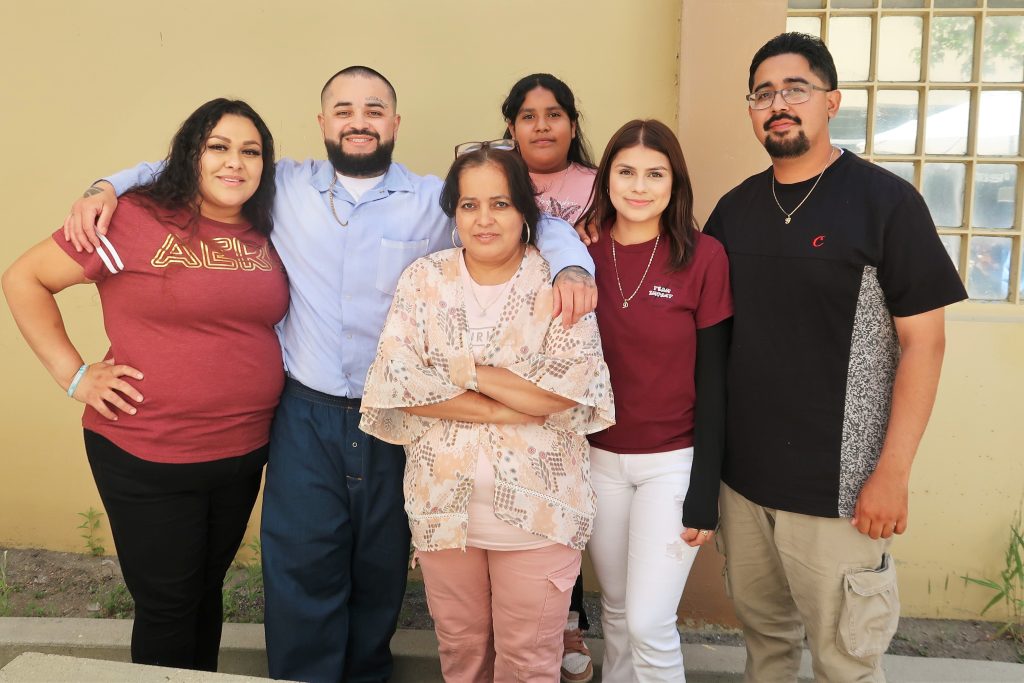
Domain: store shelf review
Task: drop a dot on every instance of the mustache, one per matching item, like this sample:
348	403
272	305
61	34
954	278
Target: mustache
366	131
781	117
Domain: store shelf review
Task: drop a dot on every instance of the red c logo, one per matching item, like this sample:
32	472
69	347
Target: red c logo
818	241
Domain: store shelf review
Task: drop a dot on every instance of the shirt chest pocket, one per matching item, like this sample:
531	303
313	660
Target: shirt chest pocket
393	257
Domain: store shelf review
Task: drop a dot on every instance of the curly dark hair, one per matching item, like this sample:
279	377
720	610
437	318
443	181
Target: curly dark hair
520	187
579	149
176	187
678	223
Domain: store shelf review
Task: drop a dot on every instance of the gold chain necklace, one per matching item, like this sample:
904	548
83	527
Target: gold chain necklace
789	214
615	263
330	197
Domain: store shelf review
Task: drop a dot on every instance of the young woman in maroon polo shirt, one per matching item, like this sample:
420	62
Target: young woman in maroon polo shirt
178	412
664	310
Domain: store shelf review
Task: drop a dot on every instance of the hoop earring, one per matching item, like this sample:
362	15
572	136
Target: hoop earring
455	231
527	227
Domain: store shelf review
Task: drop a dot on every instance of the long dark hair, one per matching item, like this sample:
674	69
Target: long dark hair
176	187
520	187
579	149
677	221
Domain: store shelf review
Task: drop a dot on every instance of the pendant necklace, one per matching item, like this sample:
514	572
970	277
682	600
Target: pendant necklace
330	198
789	214
615	263
498	296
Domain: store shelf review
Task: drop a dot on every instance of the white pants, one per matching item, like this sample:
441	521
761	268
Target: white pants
641	562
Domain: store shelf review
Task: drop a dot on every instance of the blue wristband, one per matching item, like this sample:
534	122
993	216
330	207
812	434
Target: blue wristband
76	379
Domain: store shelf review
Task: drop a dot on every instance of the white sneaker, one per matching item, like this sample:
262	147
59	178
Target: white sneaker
577	666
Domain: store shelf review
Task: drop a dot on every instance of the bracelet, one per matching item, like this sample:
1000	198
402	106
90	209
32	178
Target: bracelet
76	379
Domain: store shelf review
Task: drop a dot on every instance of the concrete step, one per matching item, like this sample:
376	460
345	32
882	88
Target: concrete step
83	641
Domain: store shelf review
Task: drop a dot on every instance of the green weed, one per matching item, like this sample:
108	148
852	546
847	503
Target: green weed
90	525
1009	587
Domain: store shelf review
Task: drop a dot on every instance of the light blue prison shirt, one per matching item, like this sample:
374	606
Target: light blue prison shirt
341	280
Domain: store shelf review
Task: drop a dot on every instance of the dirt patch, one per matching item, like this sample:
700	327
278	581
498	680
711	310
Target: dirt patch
43	583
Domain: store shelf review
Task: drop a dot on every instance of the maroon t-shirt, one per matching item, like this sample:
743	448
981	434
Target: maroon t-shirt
650	347
193	310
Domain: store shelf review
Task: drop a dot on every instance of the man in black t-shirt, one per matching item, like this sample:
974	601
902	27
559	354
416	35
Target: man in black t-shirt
839	280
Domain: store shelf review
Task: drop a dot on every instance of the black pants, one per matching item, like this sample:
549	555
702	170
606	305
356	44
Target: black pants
177	528
576	602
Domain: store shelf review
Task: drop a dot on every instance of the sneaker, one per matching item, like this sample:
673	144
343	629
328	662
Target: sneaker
577	666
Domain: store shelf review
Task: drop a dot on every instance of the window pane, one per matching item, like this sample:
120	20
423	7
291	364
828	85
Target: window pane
856	4
958	3
988	268
806	4
952	245
995	189
952	51
904	169
904	3
943	188
849	41
945	128
1002	53
896	121
849	128
1016	4
999	123
811	25
1020	288
899	49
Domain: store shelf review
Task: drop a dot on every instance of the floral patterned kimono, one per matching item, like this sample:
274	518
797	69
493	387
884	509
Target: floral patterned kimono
542	472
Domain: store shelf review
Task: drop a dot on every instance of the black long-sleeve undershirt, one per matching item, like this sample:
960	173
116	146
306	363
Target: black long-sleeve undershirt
700	509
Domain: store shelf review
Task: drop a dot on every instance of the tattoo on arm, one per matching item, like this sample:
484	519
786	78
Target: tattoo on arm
93	190
575	273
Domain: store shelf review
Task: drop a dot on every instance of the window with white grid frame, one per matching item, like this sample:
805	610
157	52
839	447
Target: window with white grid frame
932	90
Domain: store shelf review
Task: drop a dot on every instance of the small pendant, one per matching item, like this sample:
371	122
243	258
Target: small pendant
625	304
788	219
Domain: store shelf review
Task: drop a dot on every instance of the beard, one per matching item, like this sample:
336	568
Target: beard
785	149
361	165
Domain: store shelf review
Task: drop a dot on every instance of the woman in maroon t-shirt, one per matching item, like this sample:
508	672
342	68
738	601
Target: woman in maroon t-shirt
664	310
191	290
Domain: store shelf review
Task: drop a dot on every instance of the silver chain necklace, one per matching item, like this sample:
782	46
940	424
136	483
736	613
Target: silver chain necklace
789	214
500	294
330	197
615	262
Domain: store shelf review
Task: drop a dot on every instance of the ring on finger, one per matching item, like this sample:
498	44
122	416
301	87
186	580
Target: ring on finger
704	532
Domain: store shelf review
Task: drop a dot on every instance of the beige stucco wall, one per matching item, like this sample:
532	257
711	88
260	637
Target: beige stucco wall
90	89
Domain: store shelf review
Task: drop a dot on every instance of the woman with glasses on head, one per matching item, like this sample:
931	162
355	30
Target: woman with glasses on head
544	124
664	307
177	415
491	398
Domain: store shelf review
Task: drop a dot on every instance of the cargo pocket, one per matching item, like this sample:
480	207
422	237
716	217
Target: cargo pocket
560	582
870	611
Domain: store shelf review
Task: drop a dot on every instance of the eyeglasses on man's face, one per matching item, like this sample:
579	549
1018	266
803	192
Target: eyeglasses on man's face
467	147
794	94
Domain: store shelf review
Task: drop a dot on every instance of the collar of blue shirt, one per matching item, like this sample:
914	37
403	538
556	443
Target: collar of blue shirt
395	180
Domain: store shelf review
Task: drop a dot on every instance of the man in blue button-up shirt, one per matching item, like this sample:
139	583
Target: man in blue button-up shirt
335	538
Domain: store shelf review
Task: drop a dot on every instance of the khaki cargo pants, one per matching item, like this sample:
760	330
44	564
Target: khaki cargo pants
789	574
